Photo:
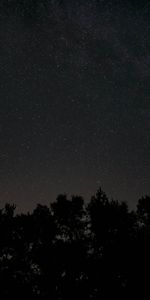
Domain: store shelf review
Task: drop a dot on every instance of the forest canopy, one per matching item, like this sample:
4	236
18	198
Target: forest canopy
73	250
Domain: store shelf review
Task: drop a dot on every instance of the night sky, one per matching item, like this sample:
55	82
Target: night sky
74	100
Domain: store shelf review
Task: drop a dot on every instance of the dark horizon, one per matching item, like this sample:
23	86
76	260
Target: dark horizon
48	202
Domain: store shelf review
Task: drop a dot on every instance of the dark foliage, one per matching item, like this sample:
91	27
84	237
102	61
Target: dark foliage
75	251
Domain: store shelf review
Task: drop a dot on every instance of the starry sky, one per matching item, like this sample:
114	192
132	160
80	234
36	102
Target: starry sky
74	100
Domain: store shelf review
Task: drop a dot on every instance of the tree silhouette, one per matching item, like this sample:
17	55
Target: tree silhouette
73	250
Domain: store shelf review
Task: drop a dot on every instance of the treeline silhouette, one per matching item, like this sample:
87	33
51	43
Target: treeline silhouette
73	250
